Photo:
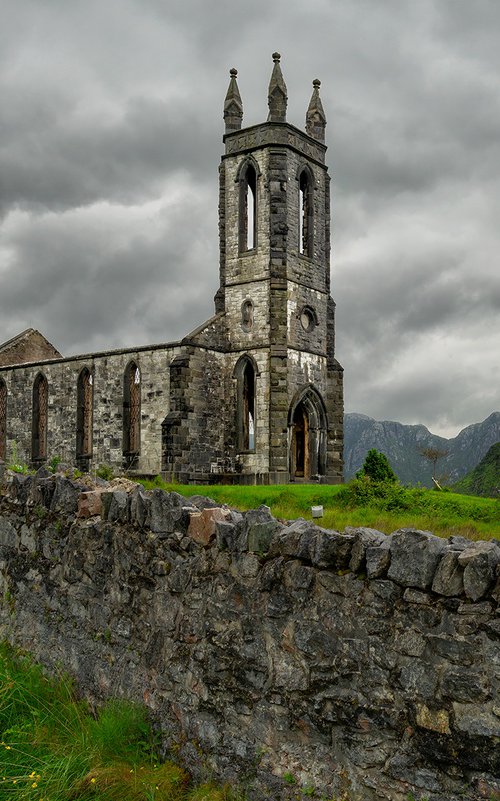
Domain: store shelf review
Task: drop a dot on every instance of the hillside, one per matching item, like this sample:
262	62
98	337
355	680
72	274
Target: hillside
485	478
401	444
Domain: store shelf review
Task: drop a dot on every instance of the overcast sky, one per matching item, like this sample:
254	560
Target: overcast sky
110	140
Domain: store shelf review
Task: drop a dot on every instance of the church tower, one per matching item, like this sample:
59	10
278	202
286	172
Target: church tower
274	224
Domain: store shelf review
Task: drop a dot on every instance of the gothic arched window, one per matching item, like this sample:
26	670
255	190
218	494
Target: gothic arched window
131	412
248	208
245	373
3	420
306	215
84	414
40	419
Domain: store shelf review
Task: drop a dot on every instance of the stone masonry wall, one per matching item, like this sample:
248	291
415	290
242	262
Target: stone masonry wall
290	657
107	370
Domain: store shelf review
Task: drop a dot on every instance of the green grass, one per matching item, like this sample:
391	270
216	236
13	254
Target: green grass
53	749
444	513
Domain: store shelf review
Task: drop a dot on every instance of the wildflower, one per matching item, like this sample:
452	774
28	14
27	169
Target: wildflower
92	781
32	775
34	784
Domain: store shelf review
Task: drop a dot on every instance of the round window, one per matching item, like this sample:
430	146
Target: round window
307	319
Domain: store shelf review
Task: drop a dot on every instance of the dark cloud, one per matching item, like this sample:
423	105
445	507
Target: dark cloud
110	138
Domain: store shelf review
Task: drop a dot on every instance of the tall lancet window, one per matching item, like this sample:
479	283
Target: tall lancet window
131	413
248	208
3	420
40	419
84	414
306	221
245	374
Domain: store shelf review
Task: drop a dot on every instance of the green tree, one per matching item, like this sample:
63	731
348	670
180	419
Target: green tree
376	467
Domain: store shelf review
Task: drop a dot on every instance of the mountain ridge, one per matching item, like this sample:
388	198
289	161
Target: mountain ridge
402	443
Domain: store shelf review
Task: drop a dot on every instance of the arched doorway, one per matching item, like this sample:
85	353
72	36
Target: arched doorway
307	425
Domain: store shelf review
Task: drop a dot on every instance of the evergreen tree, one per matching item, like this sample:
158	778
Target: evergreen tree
376	467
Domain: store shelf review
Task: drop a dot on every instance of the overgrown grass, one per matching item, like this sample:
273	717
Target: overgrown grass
360	503
53	749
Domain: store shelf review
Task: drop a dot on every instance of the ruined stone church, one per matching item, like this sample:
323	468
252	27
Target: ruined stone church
252	395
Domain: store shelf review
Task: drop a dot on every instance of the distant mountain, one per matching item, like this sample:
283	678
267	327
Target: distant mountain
485	478
401	444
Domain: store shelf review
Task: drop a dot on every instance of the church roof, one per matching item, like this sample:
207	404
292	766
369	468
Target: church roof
28	346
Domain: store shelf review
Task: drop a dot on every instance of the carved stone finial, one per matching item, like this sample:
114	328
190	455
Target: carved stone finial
315	116
277	97
233	107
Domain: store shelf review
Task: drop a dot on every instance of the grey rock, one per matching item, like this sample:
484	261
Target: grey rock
65	497
201	502
475	720
479	573
8	534
464	685
454	649
363	538
20	488
473	549
297	540
482	608
449	576
168	513
416	597
140	503
116	506
418	679
331	549
415	556
259	527
378	559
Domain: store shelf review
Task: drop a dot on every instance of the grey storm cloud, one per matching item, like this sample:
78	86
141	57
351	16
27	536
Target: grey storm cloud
110	138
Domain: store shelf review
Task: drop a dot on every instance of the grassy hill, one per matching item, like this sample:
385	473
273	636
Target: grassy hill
484	480
385	508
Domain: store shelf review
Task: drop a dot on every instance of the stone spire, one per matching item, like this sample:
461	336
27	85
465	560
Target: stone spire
277	95
315	116
233	107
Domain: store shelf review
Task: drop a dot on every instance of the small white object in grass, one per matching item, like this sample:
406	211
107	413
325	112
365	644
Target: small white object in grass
317	511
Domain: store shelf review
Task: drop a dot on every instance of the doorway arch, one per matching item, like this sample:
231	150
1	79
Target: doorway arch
307	427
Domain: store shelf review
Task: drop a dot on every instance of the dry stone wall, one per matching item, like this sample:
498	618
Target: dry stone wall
286	656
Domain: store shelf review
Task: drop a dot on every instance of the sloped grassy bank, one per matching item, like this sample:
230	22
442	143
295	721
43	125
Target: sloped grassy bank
384	506
54	748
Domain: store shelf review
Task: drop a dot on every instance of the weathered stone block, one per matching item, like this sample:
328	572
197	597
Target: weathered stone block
259	528
202	524
479	561
449	577
8	534
332	549
415	556
167	513
433	719
140	503
363	538
464	685
90	504
378	559
117	508
476	720
65	497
